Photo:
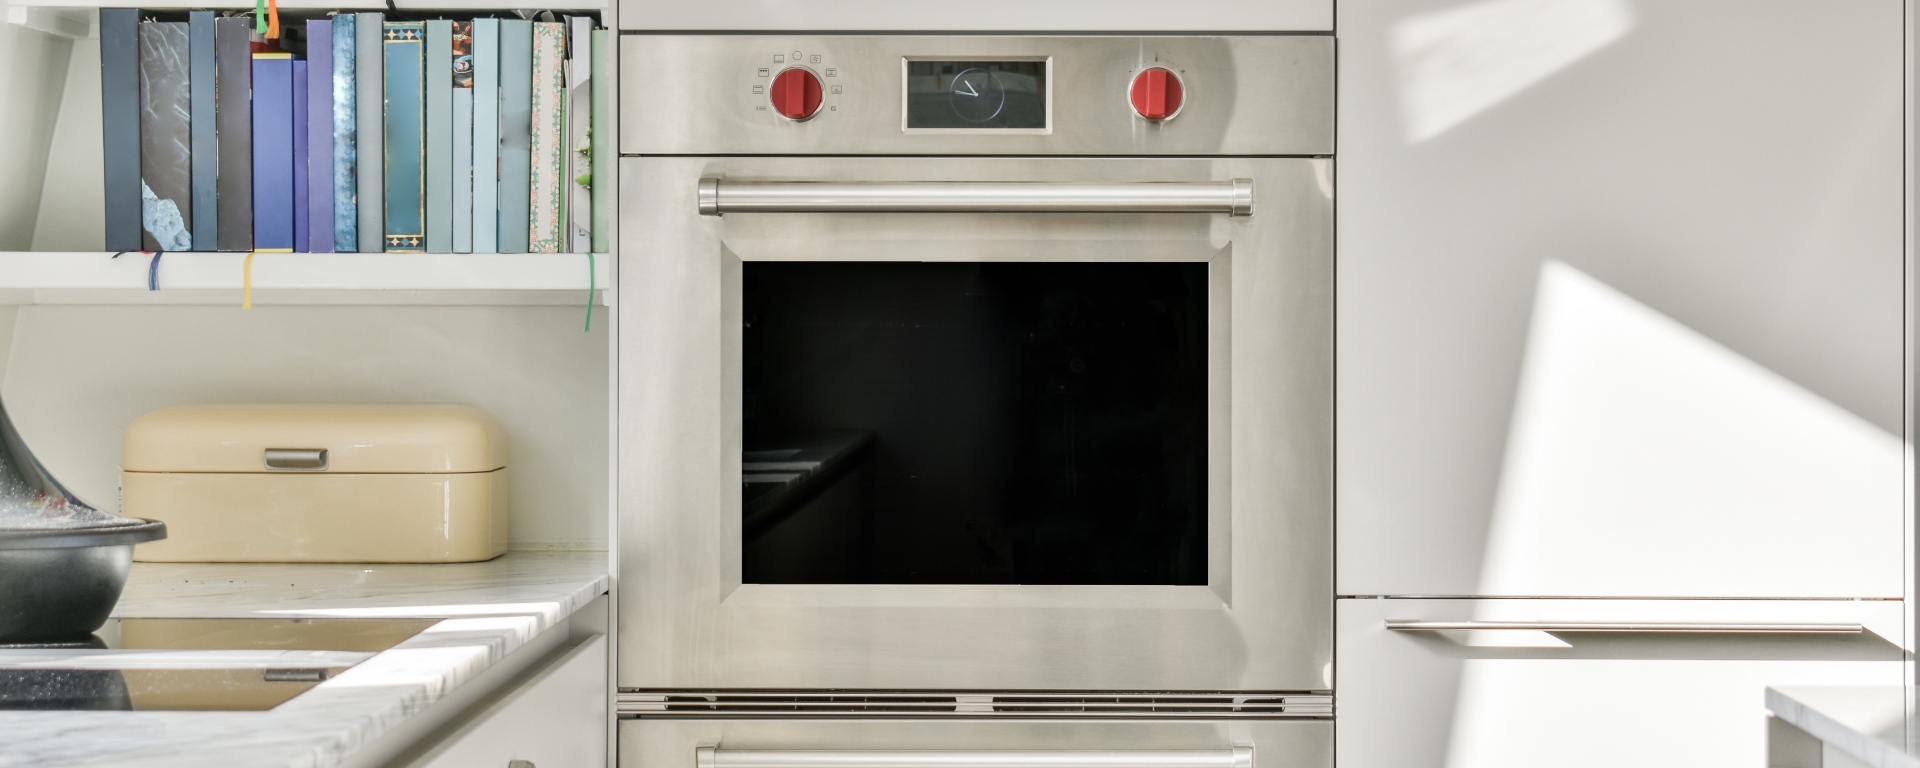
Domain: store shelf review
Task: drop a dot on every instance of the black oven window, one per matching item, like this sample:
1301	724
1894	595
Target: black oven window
974	423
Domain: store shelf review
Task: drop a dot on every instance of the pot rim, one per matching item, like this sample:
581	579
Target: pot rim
135	533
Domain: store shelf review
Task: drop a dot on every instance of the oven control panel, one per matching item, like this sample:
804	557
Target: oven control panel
916	94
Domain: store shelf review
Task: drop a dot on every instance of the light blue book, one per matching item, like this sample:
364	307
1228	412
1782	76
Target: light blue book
369	132
439	80
516	134
206	145
405	142
463	170
486	133
346	173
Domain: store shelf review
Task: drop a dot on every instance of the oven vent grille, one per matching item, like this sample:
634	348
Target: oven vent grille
924	704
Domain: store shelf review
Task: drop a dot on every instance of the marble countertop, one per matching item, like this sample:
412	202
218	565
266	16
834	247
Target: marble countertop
1868	723
491	609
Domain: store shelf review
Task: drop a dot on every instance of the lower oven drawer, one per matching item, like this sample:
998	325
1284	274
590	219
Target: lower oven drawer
677	743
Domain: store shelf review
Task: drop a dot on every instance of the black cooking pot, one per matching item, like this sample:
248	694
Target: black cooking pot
60	585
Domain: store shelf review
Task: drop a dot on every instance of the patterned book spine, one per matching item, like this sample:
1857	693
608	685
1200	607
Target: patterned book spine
233	114
516	128
202	82
602	182
547	226
486	135
439	87
577	159
405	142
166	137
346	166
319	130
299	129
369	131
462	137
273	151
120	126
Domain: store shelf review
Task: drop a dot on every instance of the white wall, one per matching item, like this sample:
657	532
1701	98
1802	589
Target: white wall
33	73
1729	173
78	374
72	200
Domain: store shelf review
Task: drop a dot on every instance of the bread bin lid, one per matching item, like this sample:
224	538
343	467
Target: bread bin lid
355	438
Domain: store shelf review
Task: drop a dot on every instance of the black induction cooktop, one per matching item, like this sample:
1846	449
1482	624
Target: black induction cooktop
190	669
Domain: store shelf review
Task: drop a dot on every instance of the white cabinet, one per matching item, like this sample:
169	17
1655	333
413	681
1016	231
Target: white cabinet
1015	16
554	718
1523	699
1620	289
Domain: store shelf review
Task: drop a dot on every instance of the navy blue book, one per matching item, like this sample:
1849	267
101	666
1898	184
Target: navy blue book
120	125
302	222
273	152
204	78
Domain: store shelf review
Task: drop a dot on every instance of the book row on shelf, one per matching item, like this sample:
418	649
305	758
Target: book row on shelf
354	133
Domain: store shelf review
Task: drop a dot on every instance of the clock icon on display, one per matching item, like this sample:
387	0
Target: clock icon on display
977	95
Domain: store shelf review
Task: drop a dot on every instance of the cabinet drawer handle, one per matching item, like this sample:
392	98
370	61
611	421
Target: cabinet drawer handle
1643	627
1236	757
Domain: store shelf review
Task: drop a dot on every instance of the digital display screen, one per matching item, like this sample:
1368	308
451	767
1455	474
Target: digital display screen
977	94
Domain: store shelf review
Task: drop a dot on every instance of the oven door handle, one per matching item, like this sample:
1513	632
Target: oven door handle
718	196
1638	627
1235	757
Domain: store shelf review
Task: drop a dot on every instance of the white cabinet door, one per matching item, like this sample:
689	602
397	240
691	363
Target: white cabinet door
1522	699
557	718
1008	16
1620	298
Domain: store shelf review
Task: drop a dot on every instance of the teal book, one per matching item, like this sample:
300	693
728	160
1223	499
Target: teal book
439	80
369	131
602	142
486	135
402	53
516	133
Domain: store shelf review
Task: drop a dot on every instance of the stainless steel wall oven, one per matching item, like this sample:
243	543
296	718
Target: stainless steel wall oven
981	385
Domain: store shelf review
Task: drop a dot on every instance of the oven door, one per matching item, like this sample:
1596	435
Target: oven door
975	424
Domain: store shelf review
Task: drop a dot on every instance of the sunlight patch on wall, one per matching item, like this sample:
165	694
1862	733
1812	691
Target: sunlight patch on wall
1646	459
1459	62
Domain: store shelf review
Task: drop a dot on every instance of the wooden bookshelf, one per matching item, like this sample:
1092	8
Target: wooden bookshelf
306	278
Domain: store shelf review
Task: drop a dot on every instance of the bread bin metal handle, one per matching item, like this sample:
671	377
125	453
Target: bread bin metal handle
301	459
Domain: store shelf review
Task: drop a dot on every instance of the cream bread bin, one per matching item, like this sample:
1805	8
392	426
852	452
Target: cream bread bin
318	483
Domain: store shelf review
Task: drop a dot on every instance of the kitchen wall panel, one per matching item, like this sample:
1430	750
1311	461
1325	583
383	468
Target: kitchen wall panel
1620	297
78	374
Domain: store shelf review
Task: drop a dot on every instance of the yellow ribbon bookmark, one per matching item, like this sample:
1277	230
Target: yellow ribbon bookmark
246	282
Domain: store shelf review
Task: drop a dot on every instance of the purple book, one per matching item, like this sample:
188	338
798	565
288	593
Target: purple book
301	224
273	152
319	130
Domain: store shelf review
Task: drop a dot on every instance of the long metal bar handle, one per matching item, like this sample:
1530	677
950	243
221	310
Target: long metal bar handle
717	197
1235	757
1642	627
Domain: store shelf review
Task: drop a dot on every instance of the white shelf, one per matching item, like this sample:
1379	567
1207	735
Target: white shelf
320	5
305	278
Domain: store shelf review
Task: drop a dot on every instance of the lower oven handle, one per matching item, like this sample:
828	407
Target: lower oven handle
1235	757
718	197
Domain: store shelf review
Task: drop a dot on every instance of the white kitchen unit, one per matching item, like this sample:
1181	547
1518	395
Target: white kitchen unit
1130	16
549	718
1620	298
1519	698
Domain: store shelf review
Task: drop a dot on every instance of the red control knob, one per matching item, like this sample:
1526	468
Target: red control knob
1157	94
796	93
